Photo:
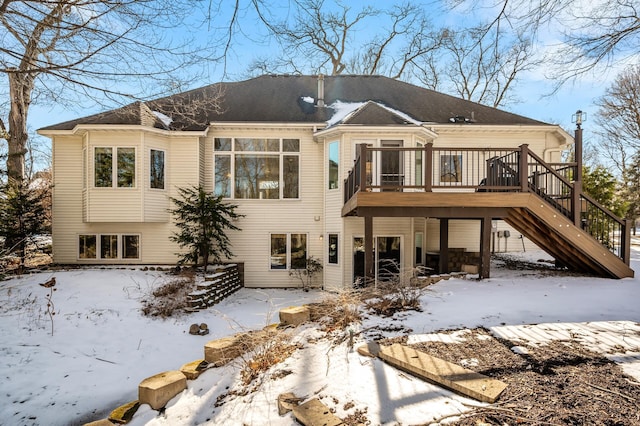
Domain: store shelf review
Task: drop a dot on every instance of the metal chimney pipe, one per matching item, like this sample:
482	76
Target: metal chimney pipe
320	102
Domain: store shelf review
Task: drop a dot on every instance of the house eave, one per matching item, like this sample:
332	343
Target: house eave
361	128
265	125
82	129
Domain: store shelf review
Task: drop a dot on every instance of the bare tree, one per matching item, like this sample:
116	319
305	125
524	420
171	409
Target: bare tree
325	39
54	50
479	64
594	34
618	119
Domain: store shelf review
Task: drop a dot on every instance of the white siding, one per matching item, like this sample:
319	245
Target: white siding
263	217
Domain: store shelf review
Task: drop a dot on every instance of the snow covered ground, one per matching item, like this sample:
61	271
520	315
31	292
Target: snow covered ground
91	357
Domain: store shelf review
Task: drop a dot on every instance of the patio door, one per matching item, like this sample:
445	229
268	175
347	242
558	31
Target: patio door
391	166
387	257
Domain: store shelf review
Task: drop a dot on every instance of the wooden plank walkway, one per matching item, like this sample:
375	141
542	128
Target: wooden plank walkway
446	374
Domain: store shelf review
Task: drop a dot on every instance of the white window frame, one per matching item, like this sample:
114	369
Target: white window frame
164	171
114	167
120	246
288	247
281	154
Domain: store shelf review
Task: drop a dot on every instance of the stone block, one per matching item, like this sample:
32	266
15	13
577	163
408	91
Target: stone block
371	349
159	389
295	315
102	422
315	413
470	269
287	402
221	351
192	370
124	413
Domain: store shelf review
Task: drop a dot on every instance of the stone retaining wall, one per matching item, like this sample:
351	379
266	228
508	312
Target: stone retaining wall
215	287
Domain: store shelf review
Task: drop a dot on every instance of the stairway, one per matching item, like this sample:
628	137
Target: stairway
572	246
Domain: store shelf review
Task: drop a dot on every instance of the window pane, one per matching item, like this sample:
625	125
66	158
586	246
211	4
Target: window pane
291	145
333	248
223	176
130	246
222	144
108	246
261	145
103	168
257	176
126	167
278	251
87	247
156	170
451	168
298	251
290	171
333	165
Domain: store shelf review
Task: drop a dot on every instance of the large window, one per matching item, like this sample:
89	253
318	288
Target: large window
108	246
250	168
333	165
288	251
118	171
156	169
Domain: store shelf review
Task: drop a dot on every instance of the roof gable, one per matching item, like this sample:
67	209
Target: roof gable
374	114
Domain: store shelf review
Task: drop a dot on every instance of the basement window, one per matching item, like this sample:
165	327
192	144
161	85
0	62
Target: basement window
109	246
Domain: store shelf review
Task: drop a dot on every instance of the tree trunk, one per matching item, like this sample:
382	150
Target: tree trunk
20	88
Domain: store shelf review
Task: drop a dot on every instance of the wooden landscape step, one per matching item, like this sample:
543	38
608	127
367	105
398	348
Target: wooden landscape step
444	373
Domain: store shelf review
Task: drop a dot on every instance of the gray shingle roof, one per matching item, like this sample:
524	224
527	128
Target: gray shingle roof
291	99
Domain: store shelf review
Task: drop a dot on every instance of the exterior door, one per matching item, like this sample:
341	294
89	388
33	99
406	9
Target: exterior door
387	255
391	167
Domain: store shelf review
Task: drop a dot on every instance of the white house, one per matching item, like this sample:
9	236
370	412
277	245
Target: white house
353	170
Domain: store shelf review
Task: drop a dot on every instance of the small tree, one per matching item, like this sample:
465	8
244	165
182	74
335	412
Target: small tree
313	265
202	220
23	214
603	187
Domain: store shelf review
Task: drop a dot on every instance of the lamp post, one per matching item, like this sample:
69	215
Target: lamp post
579	117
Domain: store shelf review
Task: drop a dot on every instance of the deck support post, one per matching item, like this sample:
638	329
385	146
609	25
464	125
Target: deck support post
428	167
368	250
626	241
444	246
485	247
524	168
362	154
576	203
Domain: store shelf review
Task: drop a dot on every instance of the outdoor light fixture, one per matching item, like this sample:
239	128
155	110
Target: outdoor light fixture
579	117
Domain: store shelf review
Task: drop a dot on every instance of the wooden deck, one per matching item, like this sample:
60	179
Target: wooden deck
527	212
534	198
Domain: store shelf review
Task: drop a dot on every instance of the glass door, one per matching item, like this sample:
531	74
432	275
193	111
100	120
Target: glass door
391	167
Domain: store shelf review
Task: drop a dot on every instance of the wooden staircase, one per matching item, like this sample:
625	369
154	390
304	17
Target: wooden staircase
570	245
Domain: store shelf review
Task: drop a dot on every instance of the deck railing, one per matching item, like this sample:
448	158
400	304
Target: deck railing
603	225
429	169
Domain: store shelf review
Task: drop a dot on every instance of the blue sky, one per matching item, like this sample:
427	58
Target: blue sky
533	90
